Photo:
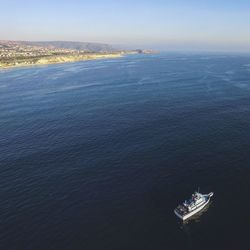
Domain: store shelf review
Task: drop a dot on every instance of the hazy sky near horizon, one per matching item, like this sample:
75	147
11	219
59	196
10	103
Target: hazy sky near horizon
162	24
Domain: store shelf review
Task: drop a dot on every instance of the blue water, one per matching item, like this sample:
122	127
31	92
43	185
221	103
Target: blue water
96	155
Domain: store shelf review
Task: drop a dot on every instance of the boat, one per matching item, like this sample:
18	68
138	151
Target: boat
192	206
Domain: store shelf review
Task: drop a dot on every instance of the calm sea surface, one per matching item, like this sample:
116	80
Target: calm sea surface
96	155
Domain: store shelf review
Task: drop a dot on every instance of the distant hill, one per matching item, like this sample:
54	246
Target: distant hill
84	46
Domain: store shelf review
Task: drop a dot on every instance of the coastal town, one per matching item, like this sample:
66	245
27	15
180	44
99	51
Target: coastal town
11	49
15	53
20	54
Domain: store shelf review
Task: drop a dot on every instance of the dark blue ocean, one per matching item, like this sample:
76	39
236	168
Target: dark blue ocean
96	155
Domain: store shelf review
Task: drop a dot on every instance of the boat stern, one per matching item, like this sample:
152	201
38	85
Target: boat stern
178	214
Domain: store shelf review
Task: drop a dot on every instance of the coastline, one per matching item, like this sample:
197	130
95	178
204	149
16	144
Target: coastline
59	59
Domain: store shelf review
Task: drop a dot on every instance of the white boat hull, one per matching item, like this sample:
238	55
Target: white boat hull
186	216
195	211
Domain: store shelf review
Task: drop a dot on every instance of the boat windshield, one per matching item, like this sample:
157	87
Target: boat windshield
189	202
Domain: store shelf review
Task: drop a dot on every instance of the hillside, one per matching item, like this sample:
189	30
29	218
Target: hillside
82	46
22	53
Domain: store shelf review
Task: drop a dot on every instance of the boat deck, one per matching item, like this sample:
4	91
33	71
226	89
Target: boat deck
182	210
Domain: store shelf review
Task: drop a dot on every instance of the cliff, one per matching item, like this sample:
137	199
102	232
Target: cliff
55	59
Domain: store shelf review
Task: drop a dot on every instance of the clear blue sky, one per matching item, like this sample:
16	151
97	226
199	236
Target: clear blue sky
175	24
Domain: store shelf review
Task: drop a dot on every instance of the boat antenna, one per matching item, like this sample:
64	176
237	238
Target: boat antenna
198	189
